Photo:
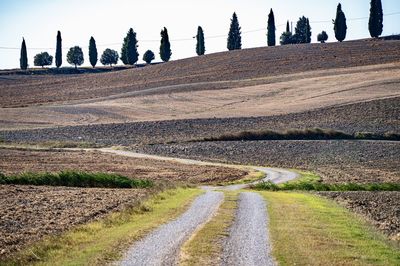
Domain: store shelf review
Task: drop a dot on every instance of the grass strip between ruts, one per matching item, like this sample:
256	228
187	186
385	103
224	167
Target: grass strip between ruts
205	246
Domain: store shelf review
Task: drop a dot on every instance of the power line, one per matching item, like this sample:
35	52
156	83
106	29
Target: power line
209	37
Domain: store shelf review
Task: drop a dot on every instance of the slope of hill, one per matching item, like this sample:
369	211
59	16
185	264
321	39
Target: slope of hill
17	90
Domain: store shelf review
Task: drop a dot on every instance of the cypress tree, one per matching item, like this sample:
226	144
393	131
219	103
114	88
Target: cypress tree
234	36
308	31
123	58
340	26
375	24
129	53
200	48
165	46
23	61
58	50
271	29
287	26
92	52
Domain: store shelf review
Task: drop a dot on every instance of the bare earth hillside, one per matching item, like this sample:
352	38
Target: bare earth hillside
160	109
227	66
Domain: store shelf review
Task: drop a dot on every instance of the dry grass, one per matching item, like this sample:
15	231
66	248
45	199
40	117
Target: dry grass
205	246
302	134
103	241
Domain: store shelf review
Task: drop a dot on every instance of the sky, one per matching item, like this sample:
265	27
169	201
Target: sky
108	22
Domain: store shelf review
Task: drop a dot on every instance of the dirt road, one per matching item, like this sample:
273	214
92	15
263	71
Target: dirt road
162	246
248	243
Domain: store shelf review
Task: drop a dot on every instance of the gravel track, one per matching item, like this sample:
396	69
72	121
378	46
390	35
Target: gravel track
248	243
162	246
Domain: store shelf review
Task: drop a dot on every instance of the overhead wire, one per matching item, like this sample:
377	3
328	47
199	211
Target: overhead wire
190	39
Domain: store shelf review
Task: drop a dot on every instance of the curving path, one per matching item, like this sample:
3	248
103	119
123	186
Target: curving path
248	242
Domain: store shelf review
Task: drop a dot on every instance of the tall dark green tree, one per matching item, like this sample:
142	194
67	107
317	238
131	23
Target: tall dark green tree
165	46
129	53
58	50
340	26
200	47
23	60
308	31
302	31
286	37
271	29
234	36
92	52
375	24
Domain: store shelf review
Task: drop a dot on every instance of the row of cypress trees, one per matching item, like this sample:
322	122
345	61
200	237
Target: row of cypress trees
130	55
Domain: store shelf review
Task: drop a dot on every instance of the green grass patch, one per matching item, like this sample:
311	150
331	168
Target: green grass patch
312	182
75	179
317	186
104	241
309	230
205	246
303	134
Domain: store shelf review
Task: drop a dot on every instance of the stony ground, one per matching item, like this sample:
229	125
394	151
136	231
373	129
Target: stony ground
335	160
380	208
278	95
29	213
374	116
13	161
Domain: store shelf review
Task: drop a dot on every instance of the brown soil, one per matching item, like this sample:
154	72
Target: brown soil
293	94
235	65
17	161
380	208
378	116
337	161
29	213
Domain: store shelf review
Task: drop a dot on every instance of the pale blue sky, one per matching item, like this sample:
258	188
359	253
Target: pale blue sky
108	22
